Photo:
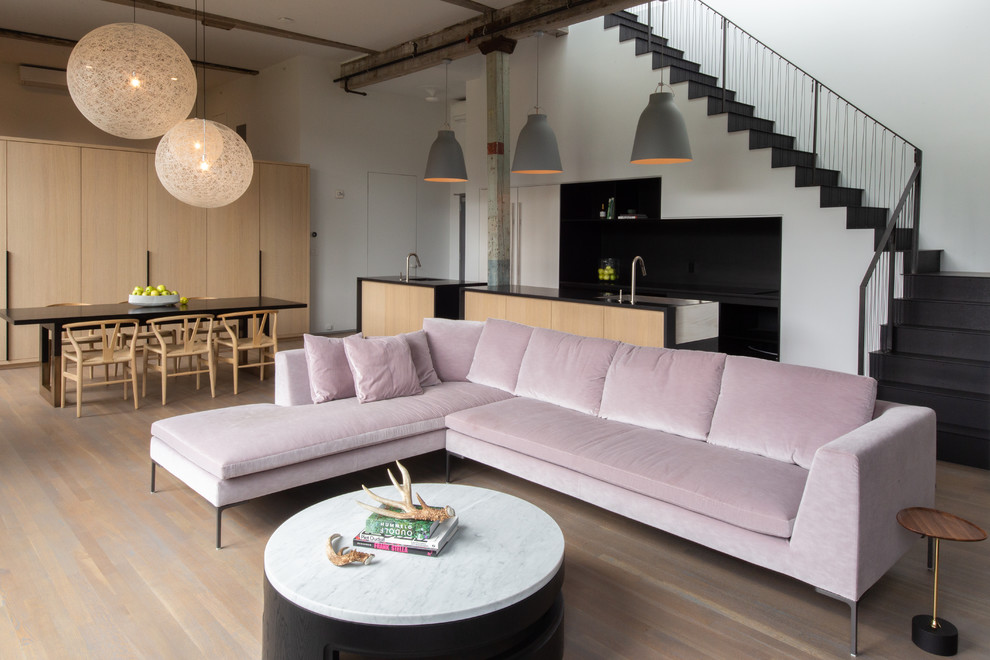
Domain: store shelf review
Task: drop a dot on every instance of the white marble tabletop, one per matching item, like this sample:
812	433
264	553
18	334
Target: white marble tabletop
505	550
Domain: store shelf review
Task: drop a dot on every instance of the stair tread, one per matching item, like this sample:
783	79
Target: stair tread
946	302
934	358
941	328
939	391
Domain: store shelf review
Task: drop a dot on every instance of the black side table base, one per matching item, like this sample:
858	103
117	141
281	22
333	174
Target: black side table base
943	640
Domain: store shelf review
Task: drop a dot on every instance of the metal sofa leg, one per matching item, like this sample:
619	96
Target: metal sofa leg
219	520
153	466
853	618
449	456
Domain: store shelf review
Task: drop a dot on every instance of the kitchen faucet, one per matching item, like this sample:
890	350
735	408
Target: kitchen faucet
642	266
418	264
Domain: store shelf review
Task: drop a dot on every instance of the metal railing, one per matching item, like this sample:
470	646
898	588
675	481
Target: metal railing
840	137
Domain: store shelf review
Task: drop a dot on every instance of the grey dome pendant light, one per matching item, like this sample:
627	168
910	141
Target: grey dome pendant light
445	164
536	148
661	134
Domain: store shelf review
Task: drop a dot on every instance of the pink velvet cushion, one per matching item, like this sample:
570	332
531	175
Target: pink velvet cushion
329	374
663	389
500	352
420	350
452	344
785	411
382	366
566	370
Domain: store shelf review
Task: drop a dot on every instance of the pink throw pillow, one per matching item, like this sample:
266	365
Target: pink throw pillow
786	411
663	389
329	374
382	366
452	346
500	352
419	347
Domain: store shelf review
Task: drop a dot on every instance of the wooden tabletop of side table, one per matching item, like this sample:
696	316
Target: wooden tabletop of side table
939	524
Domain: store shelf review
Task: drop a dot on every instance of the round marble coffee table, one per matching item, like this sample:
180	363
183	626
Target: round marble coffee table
494	590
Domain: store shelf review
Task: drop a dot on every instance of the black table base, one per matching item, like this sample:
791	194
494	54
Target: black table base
531	628
943	640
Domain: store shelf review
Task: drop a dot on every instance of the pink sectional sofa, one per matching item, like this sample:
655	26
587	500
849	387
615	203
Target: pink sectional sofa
794	469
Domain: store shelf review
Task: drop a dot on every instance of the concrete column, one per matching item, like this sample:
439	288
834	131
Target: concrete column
497	70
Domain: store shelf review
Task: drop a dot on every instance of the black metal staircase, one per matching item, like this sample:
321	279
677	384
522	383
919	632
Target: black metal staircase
936	350
939	357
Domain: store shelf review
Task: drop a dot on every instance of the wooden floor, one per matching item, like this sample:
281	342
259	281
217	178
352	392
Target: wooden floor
94	566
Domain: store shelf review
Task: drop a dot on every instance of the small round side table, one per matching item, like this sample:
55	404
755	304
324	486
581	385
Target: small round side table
931	633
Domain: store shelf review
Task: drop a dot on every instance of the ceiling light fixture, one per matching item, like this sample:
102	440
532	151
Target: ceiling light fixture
445	164
201	162
131	80
536	148
661	135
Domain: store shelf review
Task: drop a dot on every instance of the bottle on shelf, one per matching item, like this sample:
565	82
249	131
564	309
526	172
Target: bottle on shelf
601	214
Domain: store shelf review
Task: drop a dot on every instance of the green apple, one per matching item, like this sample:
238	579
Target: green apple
137	291
175	293
154	293
183	300
162	288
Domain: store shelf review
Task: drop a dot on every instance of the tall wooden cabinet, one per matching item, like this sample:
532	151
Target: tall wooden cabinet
3	244
43	232
232	237
176	240
82	223
114	224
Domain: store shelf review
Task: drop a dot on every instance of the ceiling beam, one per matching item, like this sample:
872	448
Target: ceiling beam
513	22
70	43
227	23
470	4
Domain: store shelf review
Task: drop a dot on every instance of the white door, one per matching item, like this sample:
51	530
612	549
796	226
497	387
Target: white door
534	234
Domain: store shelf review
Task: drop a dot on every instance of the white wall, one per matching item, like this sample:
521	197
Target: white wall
295	113
49	114
919	68
593	89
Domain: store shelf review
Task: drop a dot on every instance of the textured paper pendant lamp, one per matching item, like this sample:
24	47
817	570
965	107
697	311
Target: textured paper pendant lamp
536	148
204	163
445	164
131	80
661	135
201	162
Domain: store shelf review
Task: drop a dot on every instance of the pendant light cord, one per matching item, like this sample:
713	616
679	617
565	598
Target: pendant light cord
446	103
539	35
663	14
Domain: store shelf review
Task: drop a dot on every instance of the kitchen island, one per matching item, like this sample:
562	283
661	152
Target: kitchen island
651	321
390	304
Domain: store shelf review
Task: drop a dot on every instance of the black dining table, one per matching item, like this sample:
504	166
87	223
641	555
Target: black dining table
51	320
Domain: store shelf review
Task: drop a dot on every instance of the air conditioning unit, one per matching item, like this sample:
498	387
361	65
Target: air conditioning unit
43	76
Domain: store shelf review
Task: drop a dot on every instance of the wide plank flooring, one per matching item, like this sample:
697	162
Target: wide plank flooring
92	565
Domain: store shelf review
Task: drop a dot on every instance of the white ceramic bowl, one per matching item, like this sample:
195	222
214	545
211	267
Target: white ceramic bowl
152	301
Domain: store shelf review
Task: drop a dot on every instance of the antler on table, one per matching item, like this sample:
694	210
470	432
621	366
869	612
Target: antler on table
407	510
346	555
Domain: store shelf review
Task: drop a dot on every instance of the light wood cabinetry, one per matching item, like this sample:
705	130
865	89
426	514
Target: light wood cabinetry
390	309
640	327
3	244
114	224
233	243
520	309
43	232
284	234
81	223
578	318
176	240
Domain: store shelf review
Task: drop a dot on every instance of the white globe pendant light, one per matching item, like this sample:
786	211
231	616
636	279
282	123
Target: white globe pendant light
204	163
131	80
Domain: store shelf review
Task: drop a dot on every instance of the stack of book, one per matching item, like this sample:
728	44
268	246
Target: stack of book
416	537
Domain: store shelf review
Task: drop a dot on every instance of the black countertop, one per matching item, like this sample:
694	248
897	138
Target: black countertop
586	296
431	282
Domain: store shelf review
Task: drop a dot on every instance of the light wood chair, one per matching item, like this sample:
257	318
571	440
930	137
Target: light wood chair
100	343
178	337
260	335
